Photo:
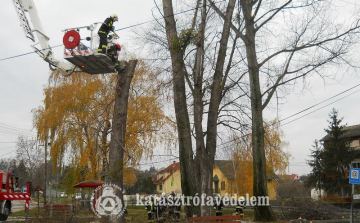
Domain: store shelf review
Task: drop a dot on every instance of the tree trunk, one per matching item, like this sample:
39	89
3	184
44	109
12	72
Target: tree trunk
188	168
262	213
196	174
117	142
208	156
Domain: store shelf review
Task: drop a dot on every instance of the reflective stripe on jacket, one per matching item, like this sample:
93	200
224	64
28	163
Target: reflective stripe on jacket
106	26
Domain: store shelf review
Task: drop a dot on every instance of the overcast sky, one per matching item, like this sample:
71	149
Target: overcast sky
23	78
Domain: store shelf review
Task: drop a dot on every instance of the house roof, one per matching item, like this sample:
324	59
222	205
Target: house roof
227	168
89	183
288	177
351	132
170	169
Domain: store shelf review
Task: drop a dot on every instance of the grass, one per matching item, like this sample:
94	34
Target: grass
137	214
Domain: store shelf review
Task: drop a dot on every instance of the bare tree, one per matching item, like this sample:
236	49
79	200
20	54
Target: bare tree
200	77
31	155
286	41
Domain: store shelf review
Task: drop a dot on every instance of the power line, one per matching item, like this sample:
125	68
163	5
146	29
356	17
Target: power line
124	28
319	108
230	141
13	127
7	153
11	147
167	155
20	55
163	161
18	133
320	102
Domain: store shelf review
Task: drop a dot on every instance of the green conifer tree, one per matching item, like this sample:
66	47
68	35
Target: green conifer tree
337	156
317	176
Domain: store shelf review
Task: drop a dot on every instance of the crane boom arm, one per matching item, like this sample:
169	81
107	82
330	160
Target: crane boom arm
23	6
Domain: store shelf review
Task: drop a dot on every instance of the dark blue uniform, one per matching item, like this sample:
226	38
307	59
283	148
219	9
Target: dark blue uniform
104	30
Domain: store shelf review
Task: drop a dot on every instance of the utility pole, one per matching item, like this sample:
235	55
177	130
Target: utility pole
46	144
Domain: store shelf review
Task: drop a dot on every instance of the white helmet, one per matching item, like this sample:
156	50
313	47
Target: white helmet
115	17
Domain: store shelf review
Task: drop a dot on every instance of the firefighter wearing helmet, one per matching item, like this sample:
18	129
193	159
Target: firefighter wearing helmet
105	28
151	209
240	206
113	53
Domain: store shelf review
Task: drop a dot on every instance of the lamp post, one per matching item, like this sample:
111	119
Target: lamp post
46	144
45	161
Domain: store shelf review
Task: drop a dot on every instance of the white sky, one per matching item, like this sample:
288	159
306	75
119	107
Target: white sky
23	78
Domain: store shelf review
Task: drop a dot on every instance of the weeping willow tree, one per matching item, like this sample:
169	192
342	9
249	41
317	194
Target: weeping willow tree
76	120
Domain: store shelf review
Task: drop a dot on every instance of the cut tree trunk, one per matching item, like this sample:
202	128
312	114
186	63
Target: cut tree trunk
117	143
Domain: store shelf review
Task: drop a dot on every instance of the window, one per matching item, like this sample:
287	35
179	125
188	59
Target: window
160	187
222	185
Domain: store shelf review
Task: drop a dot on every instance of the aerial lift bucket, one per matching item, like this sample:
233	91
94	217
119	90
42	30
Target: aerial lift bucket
86	59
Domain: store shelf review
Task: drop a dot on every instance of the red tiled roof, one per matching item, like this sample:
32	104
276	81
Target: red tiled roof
90	183
158	181
288	177
170	169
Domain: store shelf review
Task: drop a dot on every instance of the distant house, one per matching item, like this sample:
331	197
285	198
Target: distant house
291	177
353	133
224	179
168	179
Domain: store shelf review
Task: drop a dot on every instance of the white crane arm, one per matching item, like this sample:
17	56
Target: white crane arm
22	6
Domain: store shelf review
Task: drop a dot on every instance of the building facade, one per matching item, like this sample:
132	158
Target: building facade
224	179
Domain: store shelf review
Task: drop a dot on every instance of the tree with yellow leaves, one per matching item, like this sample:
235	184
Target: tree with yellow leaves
77	114
277	158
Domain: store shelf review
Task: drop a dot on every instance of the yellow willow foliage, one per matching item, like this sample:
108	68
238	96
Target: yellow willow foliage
129	177
77	115
72	177
277	158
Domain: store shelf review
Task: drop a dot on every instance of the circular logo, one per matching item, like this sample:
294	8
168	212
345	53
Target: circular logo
105	202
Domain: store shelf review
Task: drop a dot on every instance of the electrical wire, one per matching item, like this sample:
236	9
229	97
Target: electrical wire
230	141
319	108
163	161
124	28
320	103
181	12
11	147
13	127
14	130
7	153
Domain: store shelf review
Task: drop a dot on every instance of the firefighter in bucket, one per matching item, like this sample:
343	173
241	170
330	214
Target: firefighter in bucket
113	53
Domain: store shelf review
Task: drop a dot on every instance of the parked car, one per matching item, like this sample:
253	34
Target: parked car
78	196
62	194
